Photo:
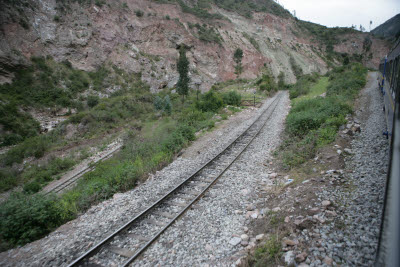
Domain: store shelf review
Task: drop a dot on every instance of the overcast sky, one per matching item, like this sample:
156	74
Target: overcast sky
344	13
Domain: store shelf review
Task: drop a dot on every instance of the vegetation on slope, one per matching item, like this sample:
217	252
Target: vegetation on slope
245	8
390	29
44	84
162	129
314	122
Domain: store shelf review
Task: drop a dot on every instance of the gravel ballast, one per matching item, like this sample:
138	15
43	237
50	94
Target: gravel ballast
341	223
361	203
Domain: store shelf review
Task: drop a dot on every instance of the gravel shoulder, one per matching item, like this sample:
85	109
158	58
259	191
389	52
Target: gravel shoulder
234	191
331	212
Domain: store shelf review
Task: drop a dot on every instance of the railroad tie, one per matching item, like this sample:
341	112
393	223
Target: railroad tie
193	193
138	237
122	251
165	214
186	197
176	203
157	223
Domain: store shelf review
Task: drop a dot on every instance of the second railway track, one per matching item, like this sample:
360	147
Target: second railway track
133	238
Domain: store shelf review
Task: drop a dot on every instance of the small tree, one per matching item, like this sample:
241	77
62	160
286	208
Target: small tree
183	68
281	80
237	57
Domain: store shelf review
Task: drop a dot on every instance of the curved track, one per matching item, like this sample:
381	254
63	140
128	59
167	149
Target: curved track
129	242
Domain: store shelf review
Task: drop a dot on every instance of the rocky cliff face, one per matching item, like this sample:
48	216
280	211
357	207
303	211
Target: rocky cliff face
143	36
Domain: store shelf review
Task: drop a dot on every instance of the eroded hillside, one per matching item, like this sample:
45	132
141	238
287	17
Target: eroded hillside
143	36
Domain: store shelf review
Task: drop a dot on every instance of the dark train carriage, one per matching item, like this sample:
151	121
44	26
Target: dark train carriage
389	239
389	82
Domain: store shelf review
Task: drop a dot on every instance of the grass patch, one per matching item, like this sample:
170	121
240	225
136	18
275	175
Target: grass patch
268	254
317	89
314	121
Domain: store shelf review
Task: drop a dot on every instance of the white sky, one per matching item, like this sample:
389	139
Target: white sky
344	13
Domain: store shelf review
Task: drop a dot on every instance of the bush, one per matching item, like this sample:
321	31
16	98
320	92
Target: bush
163	105
310	114
139	13
281	81
347	80
187	132
27	218
232	98
92	100
303	85
267	83
20	125
210	101
35	146
297	70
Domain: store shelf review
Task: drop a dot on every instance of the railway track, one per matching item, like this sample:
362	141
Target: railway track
132	239
62	185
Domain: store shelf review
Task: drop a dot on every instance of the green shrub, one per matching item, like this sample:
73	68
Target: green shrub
35	146
267	83
139	13
187	132
163	105
268	254
92	100
347	80
7	179
32	187
281	81
210	101
208	34
232	98
19	125
26	218
252	41
100	3
310	114
297	70
303	85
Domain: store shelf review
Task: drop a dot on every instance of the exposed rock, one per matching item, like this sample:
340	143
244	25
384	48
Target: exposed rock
326	203
314	211
244	237
288	242
276	209
331	213
301	257
273	175
235	241
303	224
328	261
260	237
348	151
251	207
288	257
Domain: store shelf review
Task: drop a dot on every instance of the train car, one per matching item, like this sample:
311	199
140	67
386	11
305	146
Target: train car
388	82
389	238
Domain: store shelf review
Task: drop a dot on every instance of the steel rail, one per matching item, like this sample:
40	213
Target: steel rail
155	237
106	240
